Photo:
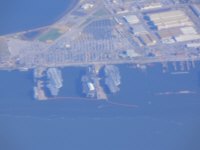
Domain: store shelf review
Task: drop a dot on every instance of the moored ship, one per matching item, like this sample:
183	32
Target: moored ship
88	87
55	80
112	78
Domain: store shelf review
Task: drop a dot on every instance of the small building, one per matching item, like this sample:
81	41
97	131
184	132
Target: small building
147	39
67	46
138	29
129	54
193	45
87	6
150	6
121	10
132	19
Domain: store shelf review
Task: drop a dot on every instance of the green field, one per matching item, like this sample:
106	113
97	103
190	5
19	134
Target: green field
50	35
101	12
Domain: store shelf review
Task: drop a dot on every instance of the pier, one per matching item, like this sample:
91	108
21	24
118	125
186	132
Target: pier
39	72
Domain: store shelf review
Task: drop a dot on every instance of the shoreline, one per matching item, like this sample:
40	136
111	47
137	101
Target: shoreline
67	11
73	4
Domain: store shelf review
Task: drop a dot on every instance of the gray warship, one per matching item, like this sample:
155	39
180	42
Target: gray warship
112	78
88	87
55	80
88	83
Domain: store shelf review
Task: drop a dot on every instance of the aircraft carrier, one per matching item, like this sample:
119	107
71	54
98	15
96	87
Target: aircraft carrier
113	78
55	80
88	87
91	84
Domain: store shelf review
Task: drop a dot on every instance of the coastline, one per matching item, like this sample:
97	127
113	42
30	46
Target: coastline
67	10
126	95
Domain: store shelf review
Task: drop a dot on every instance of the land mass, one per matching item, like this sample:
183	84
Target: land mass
109	32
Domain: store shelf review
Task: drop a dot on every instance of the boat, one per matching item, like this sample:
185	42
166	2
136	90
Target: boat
112	78
88	86
55	80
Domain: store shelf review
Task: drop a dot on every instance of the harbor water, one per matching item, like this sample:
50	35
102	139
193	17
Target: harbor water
149	89
152	111
24	15
143	107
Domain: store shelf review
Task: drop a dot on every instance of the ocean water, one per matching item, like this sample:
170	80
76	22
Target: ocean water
139	89
136	118
160	121
20	15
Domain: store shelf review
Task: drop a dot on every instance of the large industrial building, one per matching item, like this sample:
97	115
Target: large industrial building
138	29
173	26
169	19
181	34
132	19
147	39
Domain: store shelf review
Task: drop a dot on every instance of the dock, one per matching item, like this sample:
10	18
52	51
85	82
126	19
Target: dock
100	93
39	72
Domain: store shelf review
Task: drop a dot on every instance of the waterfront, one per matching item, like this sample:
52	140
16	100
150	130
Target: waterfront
167	122
24	15
170	119
147	89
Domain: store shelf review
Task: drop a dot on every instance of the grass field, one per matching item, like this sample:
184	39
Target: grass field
50	35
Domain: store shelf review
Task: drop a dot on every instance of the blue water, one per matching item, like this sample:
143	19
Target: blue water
159	122
20	15
167	122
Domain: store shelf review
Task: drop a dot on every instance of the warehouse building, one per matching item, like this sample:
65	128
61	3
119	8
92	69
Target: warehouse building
169	19
151	6
132	19
138	29
182	34
129	54
167	34
187	37
147	39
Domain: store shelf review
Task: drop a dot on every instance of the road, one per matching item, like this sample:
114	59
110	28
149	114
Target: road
87	49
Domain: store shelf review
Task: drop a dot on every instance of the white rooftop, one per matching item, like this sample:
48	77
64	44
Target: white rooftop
132	19
137	29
